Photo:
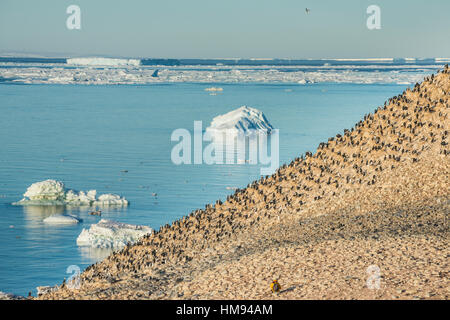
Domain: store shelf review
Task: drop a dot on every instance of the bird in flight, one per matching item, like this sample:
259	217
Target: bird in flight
307	10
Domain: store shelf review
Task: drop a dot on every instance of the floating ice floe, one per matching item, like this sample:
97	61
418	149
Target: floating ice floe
103	62
242	121
52	192
62	219
111	234
214	89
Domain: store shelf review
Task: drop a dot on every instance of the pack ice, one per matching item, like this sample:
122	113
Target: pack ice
111	234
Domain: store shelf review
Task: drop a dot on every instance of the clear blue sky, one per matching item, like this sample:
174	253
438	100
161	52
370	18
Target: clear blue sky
227	28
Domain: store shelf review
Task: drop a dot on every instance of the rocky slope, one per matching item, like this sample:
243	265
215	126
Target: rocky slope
375	195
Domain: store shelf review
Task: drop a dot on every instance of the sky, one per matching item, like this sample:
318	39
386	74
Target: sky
226	28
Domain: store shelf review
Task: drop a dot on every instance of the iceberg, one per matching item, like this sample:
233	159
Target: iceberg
214	89
62	219
111	234
244	120
53	193
50	190
103	62
110	200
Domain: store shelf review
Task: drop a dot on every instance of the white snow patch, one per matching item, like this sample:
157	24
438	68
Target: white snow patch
111	234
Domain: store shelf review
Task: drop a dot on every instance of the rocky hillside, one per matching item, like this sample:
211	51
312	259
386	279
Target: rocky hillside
375	195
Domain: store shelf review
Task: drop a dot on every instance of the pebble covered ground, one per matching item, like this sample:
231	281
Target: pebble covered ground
364	217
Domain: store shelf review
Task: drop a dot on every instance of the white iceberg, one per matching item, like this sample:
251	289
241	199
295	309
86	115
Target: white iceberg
51	190
244	120
54	193
214	89
110	200
62	219
103	62
80	198
111	234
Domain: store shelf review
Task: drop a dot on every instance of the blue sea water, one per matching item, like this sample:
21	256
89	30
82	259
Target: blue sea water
86	136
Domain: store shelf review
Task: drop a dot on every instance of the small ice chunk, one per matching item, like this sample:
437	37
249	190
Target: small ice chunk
214	89
61	219
80	198
111	234
110	200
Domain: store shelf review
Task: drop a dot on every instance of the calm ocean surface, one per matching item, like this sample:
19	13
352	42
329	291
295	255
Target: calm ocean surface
87	135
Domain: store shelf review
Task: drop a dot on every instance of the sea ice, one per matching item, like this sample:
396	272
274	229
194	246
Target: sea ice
61	219
103	62
214	89
111	234
130	71
52	192
244	120
110	200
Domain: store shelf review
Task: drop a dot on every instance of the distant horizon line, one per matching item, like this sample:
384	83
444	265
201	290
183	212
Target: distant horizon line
107	56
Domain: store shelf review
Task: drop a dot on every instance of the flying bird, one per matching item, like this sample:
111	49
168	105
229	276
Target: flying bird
308	10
